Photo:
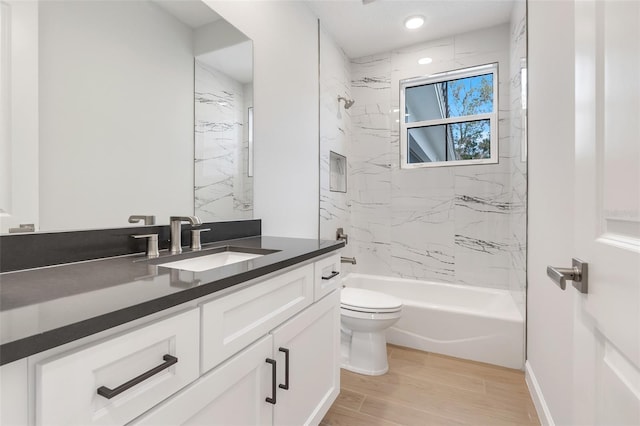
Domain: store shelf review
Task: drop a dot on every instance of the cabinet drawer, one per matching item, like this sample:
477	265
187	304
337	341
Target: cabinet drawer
236	320
67	386
327	276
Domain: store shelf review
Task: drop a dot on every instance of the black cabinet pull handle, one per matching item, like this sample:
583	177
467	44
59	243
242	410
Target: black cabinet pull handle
286	369
110	393
331	275
272	400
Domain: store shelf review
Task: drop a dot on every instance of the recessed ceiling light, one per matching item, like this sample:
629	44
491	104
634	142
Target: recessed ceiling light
425	61
414	22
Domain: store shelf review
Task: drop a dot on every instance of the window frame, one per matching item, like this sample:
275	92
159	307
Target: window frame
404	127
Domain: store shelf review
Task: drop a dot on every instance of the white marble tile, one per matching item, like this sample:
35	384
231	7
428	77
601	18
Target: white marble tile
433	263
464	225
405	60
223	190
518	230
489	40
335	134
422	228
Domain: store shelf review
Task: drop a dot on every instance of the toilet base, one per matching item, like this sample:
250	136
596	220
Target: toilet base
364	353
364	372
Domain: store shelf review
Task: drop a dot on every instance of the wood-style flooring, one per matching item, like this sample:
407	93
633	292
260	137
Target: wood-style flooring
423	388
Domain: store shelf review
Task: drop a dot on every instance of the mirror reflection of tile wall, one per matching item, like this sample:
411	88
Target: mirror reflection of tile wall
223	187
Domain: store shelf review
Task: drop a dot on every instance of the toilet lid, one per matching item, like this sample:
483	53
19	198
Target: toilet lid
358	299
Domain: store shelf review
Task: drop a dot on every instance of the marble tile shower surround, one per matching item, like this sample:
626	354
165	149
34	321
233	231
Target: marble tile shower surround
462	225
518	46
335	132
223	189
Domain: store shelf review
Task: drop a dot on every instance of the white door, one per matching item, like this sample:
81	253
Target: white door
606	368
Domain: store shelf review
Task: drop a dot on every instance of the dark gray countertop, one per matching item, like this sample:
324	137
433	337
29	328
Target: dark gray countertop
46	307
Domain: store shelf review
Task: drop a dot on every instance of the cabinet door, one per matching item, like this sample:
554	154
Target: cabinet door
312	339
232	394
14	393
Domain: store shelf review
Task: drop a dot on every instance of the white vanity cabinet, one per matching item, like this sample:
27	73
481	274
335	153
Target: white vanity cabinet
302	349
304	354
267	353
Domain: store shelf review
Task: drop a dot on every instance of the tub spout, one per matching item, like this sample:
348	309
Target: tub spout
351	260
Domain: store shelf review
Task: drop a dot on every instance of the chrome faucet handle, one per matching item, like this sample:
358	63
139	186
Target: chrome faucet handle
24	227
148	220
152	244
340	235
195	238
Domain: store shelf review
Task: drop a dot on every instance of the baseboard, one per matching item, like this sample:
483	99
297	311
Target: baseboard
536	394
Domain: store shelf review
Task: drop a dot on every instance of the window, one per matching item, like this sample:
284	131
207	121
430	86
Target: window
450	118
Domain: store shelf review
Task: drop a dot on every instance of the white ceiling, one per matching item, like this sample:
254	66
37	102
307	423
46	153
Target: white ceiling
191	13
235	61
378	26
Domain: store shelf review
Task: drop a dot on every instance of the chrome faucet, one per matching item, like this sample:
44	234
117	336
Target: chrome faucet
146	219
176	228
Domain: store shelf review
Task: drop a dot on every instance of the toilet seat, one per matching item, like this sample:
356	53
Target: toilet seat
367	301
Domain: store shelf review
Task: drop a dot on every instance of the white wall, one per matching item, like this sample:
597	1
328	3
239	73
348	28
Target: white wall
136	158
285	36
551	146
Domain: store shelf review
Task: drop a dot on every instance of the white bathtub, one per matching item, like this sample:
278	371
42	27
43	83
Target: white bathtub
479	324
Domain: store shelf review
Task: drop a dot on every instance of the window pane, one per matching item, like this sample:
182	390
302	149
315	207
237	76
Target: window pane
426	144
468	140
424	102
454	98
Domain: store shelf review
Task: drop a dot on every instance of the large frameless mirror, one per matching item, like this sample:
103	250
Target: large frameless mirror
98	113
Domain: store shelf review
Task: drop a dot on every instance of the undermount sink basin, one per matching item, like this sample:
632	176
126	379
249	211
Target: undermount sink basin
210	261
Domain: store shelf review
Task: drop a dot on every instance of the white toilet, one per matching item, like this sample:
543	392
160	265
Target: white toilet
364	317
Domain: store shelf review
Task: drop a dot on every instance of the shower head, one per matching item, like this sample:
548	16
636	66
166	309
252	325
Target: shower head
348	103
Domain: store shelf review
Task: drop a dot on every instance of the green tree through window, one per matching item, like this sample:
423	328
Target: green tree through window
470	96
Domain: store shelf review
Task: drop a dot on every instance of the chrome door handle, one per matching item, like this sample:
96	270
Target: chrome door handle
578	273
